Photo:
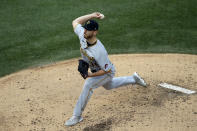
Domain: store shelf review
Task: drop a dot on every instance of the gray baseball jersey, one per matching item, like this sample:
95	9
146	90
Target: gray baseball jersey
95	55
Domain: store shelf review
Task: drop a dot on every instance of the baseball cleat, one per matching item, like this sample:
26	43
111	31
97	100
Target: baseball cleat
139	80
73	120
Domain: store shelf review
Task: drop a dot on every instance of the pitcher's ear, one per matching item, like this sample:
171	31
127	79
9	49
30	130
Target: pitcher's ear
95	32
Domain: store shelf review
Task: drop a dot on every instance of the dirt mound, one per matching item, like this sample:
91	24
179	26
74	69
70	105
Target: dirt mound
42	99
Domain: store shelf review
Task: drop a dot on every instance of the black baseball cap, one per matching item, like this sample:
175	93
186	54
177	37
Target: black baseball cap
91	25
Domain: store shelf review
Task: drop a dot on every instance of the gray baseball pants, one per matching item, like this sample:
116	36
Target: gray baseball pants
107	81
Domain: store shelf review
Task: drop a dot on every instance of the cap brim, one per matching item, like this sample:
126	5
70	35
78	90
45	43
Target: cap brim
86	28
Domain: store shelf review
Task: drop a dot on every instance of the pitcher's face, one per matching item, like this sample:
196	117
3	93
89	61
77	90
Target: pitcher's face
89	34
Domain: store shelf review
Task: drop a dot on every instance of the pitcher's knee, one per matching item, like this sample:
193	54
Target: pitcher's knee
87	87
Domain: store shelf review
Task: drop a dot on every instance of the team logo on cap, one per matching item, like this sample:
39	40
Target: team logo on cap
88	22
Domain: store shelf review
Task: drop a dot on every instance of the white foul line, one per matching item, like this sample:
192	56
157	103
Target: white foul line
177	88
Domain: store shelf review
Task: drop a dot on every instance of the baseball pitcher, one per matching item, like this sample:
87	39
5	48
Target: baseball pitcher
95	57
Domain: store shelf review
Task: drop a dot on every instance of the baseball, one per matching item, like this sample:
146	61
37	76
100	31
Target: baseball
102	16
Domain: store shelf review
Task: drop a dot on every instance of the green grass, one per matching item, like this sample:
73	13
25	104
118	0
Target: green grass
38	32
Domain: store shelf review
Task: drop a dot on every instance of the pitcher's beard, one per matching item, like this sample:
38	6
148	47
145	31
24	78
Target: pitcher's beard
88	37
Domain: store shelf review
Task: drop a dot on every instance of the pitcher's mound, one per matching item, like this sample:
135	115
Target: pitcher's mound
42	99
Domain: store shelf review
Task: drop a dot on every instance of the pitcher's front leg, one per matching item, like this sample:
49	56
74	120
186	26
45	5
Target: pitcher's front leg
83	98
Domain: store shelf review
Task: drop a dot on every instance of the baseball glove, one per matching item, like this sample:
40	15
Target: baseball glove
83	68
